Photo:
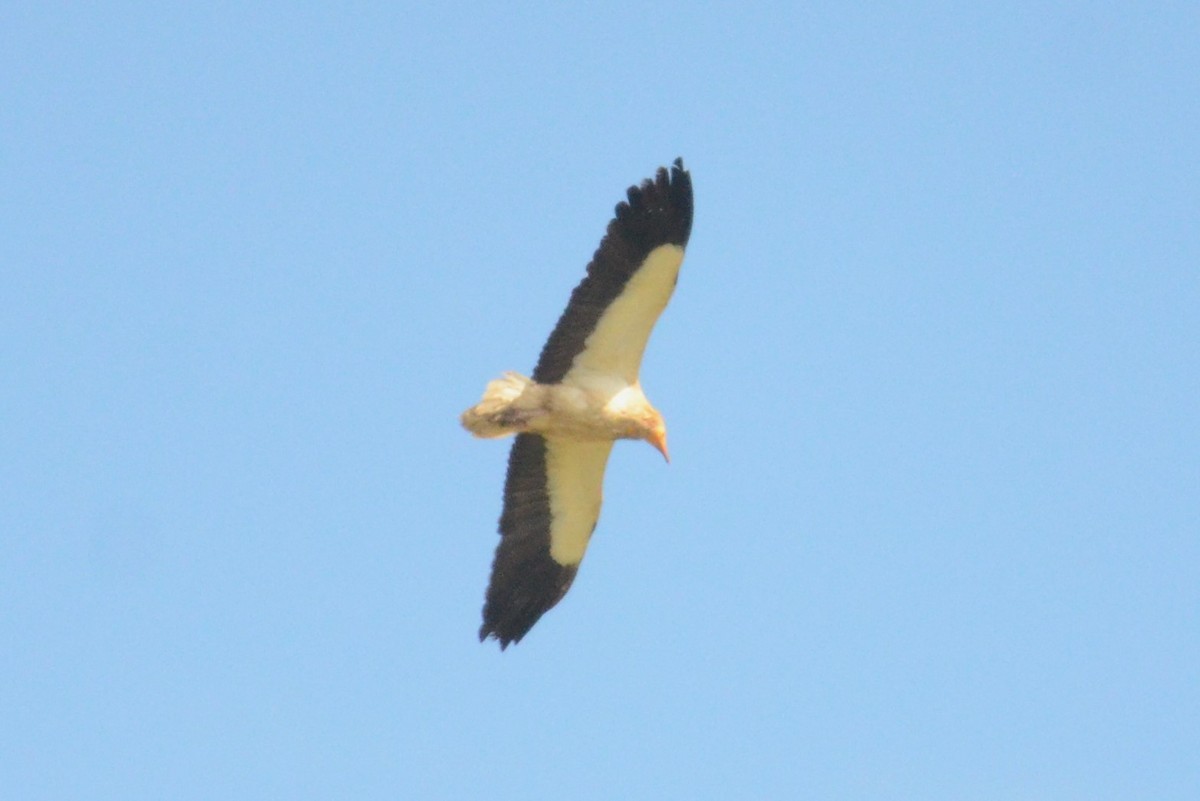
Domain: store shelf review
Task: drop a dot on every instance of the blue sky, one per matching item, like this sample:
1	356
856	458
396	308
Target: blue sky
932	525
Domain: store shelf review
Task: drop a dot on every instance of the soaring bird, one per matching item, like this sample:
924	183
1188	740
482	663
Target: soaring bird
583	396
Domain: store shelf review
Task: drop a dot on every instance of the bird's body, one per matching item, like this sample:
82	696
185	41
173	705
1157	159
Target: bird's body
584	394
588	409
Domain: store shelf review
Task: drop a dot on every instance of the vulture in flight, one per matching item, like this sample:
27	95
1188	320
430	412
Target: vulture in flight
584	395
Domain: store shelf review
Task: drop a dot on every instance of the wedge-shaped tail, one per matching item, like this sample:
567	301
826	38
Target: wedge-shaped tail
499	413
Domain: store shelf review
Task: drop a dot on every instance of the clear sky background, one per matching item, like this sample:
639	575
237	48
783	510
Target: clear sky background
932	527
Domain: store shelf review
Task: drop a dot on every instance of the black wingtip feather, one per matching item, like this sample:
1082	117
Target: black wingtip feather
509	617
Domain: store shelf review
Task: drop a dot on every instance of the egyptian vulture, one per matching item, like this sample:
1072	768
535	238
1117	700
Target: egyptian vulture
584	394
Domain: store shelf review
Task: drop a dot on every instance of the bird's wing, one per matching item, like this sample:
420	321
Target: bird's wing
628	283
551	504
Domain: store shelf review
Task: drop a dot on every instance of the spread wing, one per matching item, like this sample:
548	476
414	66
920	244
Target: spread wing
551	503
628	283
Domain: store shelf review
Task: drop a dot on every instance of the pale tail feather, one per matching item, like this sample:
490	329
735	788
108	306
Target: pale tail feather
495	415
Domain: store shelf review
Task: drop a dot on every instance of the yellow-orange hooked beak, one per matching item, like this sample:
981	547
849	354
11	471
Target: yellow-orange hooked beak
658	438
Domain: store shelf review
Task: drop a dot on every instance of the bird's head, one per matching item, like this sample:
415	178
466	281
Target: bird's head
654	431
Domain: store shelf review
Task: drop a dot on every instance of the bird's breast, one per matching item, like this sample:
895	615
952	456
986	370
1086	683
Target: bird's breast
588	411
